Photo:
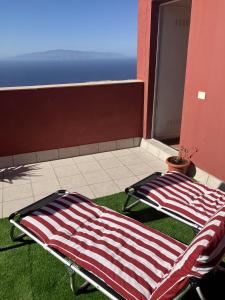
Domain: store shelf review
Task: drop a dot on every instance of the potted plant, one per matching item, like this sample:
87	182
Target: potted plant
182	161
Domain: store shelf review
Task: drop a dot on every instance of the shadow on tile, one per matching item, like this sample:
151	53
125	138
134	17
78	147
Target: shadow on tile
9	174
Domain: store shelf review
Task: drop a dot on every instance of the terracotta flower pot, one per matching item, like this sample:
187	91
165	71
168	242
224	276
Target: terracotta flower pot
179	165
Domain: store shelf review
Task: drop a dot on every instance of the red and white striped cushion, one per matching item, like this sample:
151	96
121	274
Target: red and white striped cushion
130	257
202	255
179	194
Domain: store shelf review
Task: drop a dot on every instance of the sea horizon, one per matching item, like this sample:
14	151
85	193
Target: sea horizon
29	73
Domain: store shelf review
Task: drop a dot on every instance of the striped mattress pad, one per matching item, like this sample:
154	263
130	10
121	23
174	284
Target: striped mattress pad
129	257
203	254
179	194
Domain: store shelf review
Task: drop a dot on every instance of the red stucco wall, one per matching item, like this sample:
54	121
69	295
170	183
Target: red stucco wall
203	122
148	11
143	58
56	117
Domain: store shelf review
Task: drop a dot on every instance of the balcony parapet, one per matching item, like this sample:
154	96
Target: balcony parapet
65	85
43	118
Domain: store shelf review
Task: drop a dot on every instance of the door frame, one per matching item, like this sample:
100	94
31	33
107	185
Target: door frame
157	58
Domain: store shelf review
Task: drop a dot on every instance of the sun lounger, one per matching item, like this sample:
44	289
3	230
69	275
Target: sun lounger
178	196
118	255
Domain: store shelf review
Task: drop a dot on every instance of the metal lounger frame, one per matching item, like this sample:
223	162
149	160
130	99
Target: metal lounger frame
131	192
74	269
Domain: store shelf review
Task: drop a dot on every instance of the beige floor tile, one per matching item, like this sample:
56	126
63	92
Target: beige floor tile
45	187
119	172
96	177
158	165
42	165
104	189
147	157
140	177
214	182
201	176
130	159
125	182
72	182
62	162
103	155
154	150
64	171
17	192
84	190
41	174
109	163
12	206
1	178
122	152
41	196
141	168
84	158
136	150
14	181
87	167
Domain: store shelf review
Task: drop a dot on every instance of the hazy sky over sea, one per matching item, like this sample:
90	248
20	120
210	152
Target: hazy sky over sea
89	25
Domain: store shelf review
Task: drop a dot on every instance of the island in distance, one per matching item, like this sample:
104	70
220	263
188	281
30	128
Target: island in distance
65	55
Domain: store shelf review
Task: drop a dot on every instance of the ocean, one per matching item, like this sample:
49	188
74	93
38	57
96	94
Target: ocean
25	73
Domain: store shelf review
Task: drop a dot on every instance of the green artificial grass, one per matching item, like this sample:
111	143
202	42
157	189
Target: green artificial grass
27	271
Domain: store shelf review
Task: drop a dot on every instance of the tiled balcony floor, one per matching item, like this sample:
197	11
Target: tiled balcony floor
93	175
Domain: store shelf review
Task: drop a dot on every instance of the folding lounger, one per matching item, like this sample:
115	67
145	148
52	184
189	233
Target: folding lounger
118	255
178	196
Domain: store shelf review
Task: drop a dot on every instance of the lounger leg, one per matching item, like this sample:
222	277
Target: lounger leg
83	287
195	284
77	290
190	286
199	292
13	237
127	207
73	275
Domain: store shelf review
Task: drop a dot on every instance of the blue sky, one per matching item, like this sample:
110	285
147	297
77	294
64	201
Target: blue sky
39	25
